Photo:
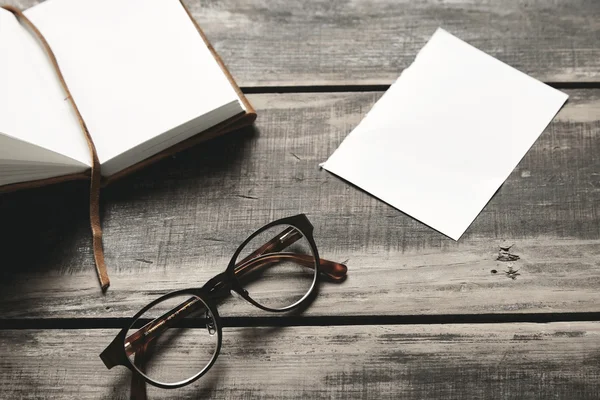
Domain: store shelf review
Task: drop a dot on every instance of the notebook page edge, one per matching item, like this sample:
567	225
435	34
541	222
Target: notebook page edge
54	158
170	138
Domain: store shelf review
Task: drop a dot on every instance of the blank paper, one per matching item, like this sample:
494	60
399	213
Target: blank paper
447	134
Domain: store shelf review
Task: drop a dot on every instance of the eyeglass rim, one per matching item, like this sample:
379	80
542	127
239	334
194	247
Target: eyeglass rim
299	222
205	298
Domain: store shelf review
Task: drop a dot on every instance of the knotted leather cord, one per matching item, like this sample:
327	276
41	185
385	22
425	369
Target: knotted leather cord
95	173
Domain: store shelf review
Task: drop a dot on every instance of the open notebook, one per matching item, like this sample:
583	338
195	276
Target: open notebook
144	77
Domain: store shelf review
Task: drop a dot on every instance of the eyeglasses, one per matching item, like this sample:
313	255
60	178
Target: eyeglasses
176	339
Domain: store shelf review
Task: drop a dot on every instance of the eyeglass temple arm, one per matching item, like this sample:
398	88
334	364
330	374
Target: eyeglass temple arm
138	385
286	238
158	325
138	341
333	270
258	259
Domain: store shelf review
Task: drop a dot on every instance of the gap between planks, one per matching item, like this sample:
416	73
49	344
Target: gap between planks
237	322
377	88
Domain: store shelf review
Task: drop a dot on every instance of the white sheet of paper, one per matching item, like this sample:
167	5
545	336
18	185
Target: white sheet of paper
447	134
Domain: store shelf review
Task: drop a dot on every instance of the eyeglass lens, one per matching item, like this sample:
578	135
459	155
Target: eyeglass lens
173	341
277	267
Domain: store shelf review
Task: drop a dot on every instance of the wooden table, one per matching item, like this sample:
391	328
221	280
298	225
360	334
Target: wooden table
420	316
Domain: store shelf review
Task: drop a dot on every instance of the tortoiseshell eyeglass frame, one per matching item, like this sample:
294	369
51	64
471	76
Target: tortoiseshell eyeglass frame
218	287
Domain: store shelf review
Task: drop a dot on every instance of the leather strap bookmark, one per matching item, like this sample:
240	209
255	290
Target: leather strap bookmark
95	173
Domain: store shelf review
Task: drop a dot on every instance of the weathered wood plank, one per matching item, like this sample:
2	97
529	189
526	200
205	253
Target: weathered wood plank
175	224
506	361
281	42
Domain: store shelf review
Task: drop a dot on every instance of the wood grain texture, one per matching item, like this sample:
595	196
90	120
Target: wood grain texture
175	224
506	361
324	42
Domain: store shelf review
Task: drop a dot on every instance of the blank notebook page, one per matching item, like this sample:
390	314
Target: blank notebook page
136	68
36	123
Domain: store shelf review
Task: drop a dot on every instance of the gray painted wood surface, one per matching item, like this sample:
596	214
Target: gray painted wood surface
324	42
504	361
176	224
